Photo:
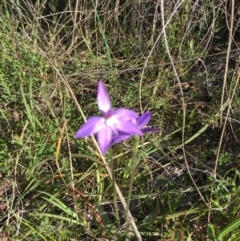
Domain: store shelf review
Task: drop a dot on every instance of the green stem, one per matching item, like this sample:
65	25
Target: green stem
114	189
133	163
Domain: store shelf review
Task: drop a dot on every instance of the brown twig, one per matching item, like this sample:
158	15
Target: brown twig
93	211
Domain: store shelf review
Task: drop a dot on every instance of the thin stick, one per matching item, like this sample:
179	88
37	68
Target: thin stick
114	189
132	167
183	102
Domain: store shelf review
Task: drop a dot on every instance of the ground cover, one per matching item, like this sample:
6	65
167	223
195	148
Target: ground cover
179	60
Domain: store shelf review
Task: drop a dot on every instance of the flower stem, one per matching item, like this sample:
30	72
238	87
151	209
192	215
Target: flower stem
114	189
132	169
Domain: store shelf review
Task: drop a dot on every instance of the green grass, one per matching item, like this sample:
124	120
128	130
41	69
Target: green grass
186	178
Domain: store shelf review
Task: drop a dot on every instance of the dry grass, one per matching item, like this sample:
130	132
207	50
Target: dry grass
179	59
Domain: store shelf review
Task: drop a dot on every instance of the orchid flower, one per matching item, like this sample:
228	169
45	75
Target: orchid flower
111	123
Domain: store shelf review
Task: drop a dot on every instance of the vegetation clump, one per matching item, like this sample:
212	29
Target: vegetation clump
179	60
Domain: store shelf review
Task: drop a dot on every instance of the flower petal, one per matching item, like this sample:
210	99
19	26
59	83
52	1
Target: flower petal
144	119
104	139
119	137
93	125
123	114
104	103
128	127
149	129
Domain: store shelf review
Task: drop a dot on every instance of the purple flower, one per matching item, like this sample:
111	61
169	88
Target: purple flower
140	122
111	123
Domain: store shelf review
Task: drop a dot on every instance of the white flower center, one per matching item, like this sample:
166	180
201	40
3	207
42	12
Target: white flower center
111	121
